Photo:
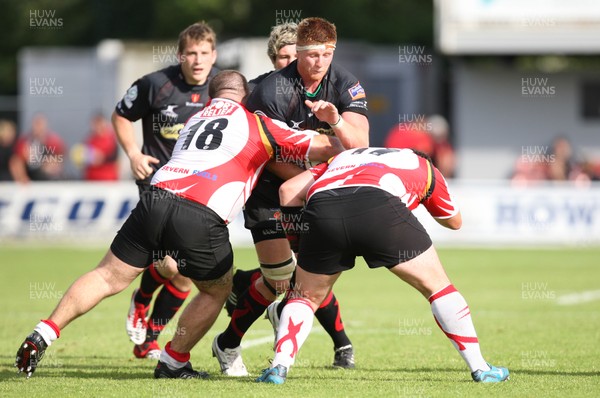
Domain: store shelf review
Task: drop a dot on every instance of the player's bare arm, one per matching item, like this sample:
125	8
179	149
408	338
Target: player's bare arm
351	128
283	170
293	191
140	163
454	222
324	147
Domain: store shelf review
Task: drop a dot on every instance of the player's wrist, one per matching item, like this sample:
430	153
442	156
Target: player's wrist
339	123
133	153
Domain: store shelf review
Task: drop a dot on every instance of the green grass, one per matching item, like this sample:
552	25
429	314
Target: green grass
551	350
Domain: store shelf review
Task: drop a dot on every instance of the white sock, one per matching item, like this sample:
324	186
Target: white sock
294	327
170	361
47	333
453	316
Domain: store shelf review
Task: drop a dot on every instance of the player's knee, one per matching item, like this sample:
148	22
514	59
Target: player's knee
218	288
279	272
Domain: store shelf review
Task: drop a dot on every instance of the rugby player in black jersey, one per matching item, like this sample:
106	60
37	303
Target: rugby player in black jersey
164	101
308	93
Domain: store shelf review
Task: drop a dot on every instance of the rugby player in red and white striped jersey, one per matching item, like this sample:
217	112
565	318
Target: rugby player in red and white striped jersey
215	164
360	205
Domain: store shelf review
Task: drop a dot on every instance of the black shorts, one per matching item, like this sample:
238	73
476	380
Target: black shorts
143	186
261	207
344	223
164	224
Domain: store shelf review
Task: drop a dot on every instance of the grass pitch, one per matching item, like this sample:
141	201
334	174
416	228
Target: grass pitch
518	298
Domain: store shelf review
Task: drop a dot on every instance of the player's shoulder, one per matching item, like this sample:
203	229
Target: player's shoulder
283	77
277	86
340	77
258	79
264	94
348	88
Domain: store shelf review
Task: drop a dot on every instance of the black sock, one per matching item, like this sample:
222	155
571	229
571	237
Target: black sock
330	318
282	304
327	314
151	280
250	306
243	279
167	303
241	282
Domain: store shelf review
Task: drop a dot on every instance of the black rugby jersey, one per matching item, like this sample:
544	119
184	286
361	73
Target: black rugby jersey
256	81
164	102
281	95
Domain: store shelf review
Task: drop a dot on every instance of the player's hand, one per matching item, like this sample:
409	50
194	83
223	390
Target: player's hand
30	353
140	165
324	111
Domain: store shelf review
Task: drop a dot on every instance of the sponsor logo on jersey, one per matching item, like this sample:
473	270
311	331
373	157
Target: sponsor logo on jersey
195	97
358	104
171	132
172	169
220	108
206	174
194	104
356	92
130	96
296	125
170	111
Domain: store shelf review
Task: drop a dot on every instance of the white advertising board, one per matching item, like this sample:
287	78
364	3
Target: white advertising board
466	27
494	214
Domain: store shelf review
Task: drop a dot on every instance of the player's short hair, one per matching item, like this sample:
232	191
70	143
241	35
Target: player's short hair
281	36
198	32
227	80
316	31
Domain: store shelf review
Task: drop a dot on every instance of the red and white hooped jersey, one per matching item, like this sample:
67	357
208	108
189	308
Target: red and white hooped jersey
400	172
221	152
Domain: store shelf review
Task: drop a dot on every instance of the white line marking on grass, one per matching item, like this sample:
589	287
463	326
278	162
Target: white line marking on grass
578	298
258	341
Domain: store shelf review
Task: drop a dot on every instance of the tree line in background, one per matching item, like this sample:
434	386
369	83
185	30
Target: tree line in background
86	22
